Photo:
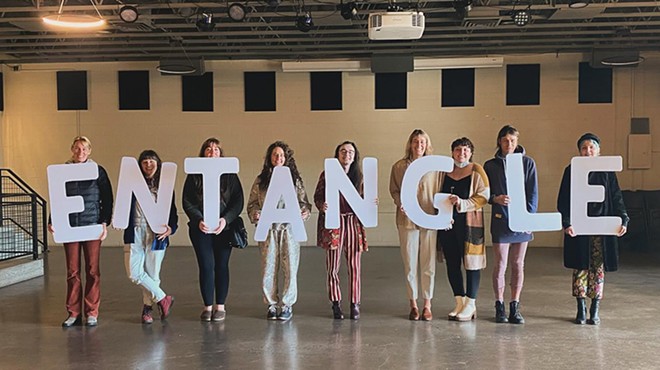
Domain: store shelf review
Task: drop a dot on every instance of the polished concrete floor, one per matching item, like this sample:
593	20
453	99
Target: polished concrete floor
628	338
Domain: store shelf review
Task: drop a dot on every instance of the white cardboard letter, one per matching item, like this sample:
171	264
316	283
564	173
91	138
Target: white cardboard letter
281	187
409	185
336	181
583	193
131	181
61	205
211	170
520	220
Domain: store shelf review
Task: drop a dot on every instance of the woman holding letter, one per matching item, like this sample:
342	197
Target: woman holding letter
144	250
417	243
211	249
98	199
350	238
591	255
280	251
463	242
505	240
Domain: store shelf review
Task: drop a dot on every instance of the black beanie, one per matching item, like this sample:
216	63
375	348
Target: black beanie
588	136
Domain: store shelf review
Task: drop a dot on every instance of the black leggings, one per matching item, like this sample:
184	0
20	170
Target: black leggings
213	261
453	248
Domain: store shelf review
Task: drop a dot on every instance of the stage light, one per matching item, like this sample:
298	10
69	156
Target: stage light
348	11
236	12
128	14
206	22
304	22
521	17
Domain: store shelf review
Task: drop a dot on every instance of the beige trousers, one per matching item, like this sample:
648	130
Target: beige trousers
418	250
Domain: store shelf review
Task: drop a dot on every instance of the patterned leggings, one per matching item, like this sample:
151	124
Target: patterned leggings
589	283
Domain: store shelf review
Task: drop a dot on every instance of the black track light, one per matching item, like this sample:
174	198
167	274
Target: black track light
206	22
348	11
304	22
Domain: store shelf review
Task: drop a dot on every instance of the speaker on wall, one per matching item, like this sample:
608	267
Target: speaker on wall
72	90
385	63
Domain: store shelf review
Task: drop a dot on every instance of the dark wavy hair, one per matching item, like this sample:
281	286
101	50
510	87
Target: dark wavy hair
463	141
289	161
355	171
150	154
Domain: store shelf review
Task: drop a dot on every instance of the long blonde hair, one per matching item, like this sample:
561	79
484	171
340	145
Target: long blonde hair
418	132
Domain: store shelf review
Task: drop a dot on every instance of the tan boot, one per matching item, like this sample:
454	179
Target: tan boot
460	301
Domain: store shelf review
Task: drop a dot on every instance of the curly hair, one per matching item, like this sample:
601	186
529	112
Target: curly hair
355	171
463	141
289	161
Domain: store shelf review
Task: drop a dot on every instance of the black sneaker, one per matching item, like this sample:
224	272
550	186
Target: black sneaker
272	313
286	313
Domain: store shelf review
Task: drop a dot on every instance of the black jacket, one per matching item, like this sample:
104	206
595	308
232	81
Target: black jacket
577	249
231	198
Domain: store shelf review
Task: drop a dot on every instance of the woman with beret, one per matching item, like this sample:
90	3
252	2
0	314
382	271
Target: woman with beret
590	256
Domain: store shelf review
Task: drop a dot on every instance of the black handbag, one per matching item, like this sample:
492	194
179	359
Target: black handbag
235	235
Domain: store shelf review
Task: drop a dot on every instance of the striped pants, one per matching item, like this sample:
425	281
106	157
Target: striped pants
348	243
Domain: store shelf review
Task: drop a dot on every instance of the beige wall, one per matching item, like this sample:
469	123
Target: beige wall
35	134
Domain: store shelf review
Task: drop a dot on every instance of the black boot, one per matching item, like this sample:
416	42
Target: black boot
336	311
581	317
515	317
355	311
500	312
593	312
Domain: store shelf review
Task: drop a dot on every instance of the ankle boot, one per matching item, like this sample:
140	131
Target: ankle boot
355	311
515	317
581	317
336	311
500	312
460	301
469	311
593	312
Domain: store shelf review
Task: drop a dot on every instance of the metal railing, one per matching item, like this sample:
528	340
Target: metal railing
23	218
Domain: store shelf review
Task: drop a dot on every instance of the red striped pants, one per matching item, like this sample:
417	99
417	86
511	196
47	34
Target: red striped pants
348	243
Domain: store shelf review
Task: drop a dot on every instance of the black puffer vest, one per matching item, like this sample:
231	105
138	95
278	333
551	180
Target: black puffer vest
89	190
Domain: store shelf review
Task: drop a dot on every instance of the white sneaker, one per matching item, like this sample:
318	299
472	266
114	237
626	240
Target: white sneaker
71	321
92	321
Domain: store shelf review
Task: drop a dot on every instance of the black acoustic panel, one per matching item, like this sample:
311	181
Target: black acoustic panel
325	90
594	85
133	90
260	91
72	90
391	90
638	125
197	93
523	84
2	92
458	87
392	63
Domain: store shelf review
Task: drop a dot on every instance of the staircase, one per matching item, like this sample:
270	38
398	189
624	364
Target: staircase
23	223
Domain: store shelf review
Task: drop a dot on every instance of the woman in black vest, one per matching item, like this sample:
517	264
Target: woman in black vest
97	198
